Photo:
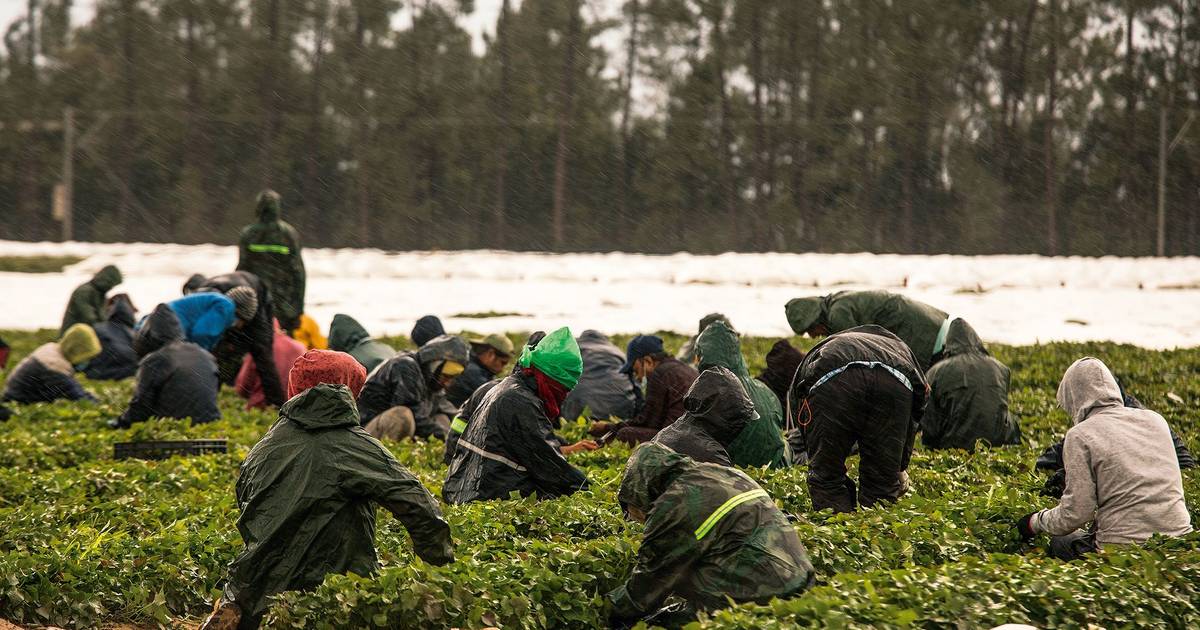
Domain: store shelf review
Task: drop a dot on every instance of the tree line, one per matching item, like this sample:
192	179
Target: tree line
924	126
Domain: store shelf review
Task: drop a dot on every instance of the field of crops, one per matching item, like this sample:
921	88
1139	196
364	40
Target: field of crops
89	541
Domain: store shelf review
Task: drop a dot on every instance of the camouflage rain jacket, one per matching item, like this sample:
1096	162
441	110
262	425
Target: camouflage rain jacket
712	535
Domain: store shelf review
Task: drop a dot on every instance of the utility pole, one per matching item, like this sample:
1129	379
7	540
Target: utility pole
1164	151
68	175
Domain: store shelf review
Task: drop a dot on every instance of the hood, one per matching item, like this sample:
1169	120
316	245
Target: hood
594	337
557	356
444	348
322	407
121	311
79	344
194	283
711	319
325	366
962	339
718	345
718	402
649	472
599	353
107	278
783	359
345	332
802	313
1088	386
159	329
425	329
267	207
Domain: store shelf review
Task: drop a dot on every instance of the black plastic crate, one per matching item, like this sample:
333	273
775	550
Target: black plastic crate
165	449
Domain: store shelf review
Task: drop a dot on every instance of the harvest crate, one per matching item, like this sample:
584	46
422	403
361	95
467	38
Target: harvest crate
165	449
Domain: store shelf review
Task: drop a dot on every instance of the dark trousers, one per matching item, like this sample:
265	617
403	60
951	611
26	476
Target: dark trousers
256	338
871	408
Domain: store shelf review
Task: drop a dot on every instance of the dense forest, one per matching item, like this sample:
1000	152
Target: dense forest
922	126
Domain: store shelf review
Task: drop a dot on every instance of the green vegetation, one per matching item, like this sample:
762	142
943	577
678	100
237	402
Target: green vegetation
37	264
489	314
89	541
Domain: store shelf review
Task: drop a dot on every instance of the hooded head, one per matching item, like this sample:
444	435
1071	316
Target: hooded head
444	355
425	329
107	278
79	344
712	318
345	332
718	345
804	313
783	359
557	356
246	301
194	283
159	329
121	311
267	206
962	339
649	472
321	407
328	367
1088	386
717	401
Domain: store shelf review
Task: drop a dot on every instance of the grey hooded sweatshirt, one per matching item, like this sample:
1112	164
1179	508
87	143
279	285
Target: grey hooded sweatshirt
1121	465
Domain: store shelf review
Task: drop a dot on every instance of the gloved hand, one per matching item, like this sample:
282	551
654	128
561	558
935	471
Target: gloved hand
1024	527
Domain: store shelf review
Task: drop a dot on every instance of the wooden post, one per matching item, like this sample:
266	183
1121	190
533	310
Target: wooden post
68	175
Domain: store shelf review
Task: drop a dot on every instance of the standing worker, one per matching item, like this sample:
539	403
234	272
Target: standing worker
87	302
860	386
270	249
921	326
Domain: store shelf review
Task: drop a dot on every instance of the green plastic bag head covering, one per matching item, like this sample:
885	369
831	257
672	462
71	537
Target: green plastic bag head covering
802	313
79	344
557	356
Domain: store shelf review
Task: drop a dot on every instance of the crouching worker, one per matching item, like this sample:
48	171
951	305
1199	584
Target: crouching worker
175	378
399	399
968	396
1121	469
861	386
508	444
308	493
716	411
48	373
349	336
712	536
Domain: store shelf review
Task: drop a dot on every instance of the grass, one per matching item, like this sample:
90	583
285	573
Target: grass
36	264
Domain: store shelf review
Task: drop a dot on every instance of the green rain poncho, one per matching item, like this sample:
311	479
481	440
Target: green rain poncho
270	249
712	535
968	396
915	323
308	493
86	305
761	442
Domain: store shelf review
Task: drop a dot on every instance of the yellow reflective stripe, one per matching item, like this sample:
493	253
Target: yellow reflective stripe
459	425
262	248
725	508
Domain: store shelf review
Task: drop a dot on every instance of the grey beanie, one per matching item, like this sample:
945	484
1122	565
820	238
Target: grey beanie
246	301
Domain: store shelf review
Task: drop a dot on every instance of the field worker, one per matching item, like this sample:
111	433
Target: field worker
968	396
349	336
193	283
308	493
717	410
410	381
761	442
860	386
687	352
1122	472
426	329
87	302
204	317
712	536
783	359
175	379
249	386
48	373
5	350
270	249
489	356
921	326
308	333
664	379
603	390
509	444
255	337
116	360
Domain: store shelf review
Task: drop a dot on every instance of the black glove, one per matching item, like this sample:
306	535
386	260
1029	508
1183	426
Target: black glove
1024	527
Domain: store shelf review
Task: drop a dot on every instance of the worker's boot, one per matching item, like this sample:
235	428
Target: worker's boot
226	615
